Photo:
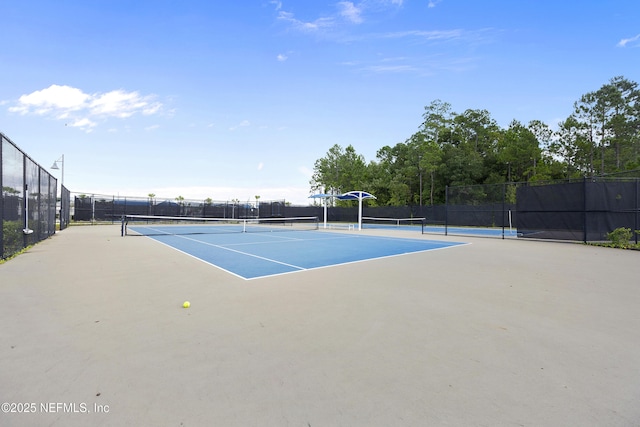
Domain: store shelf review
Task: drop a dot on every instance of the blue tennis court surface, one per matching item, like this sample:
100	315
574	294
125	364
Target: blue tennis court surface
440	229
256	255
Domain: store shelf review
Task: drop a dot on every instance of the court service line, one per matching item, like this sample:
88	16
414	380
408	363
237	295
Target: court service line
287	240
359	261
243	253
198	258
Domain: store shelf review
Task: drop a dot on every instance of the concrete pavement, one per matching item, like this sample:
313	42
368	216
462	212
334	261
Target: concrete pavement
496	333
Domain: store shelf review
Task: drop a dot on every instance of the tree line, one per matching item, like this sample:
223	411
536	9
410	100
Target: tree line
600	137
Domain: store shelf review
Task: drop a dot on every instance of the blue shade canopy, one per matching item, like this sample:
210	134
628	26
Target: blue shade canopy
356	195
351	195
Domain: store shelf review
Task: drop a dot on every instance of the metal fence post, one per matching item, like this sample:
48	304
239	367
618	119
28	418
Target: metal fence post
636	229
584	208
446	209
504	197
25	202
1	202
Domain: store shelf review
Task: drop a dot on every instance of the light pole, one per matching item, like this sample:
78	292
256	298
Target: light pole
55	166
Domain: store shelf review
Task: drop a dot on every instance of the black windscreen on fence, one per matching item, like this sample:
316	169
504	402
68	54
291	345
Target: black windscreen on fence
111	208
28	202
489	206
65	207
587	210
583	210
551	211
578	210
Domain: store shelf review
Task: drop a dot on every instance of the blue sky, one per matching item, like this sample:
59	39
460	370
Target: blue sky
235	99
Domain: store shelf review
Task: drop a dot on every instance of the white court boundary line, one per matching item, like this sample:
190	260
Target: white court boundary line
355	262
230	250
243	253
297	268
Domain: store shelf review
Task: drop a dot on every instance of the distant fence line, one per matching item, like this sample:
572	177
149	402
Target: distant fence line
99	208
578	210
585	209
28	202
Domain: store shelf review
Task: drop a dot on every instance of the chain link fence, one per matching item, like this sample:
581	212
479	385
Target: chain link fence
97	208
578	210
585	210
28	202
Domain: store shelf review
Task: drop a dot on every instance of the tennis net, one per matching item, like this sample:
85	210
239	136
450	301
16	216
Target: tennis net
377	222
151	225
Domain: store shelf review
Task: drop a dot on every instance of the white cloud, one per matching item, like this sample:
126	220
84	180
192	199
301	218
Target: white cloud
425	65
121	104
278	4
260	166
427	35
357	12
243	124
66	102
347	10
625	42
59	100
84	123
299	25
350	11
282	57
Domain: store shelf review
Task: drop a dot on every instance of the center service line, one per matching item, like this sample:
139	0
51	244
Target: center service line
243	253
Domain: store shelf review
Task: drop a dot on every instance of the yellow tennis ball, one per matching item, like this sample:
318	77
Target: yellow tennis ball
186	304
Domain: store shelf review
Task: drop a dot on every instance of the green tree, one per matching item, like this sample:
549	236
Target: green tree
610	121
396	169
180	201
519	150
547	167
151	197
572	149
477	135
602	135
341	170
460	166
437	119
622	97
429	157
585	112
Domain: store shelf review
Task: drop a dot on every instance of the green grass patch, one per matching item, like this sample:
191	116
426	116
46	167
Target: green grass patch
620	238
